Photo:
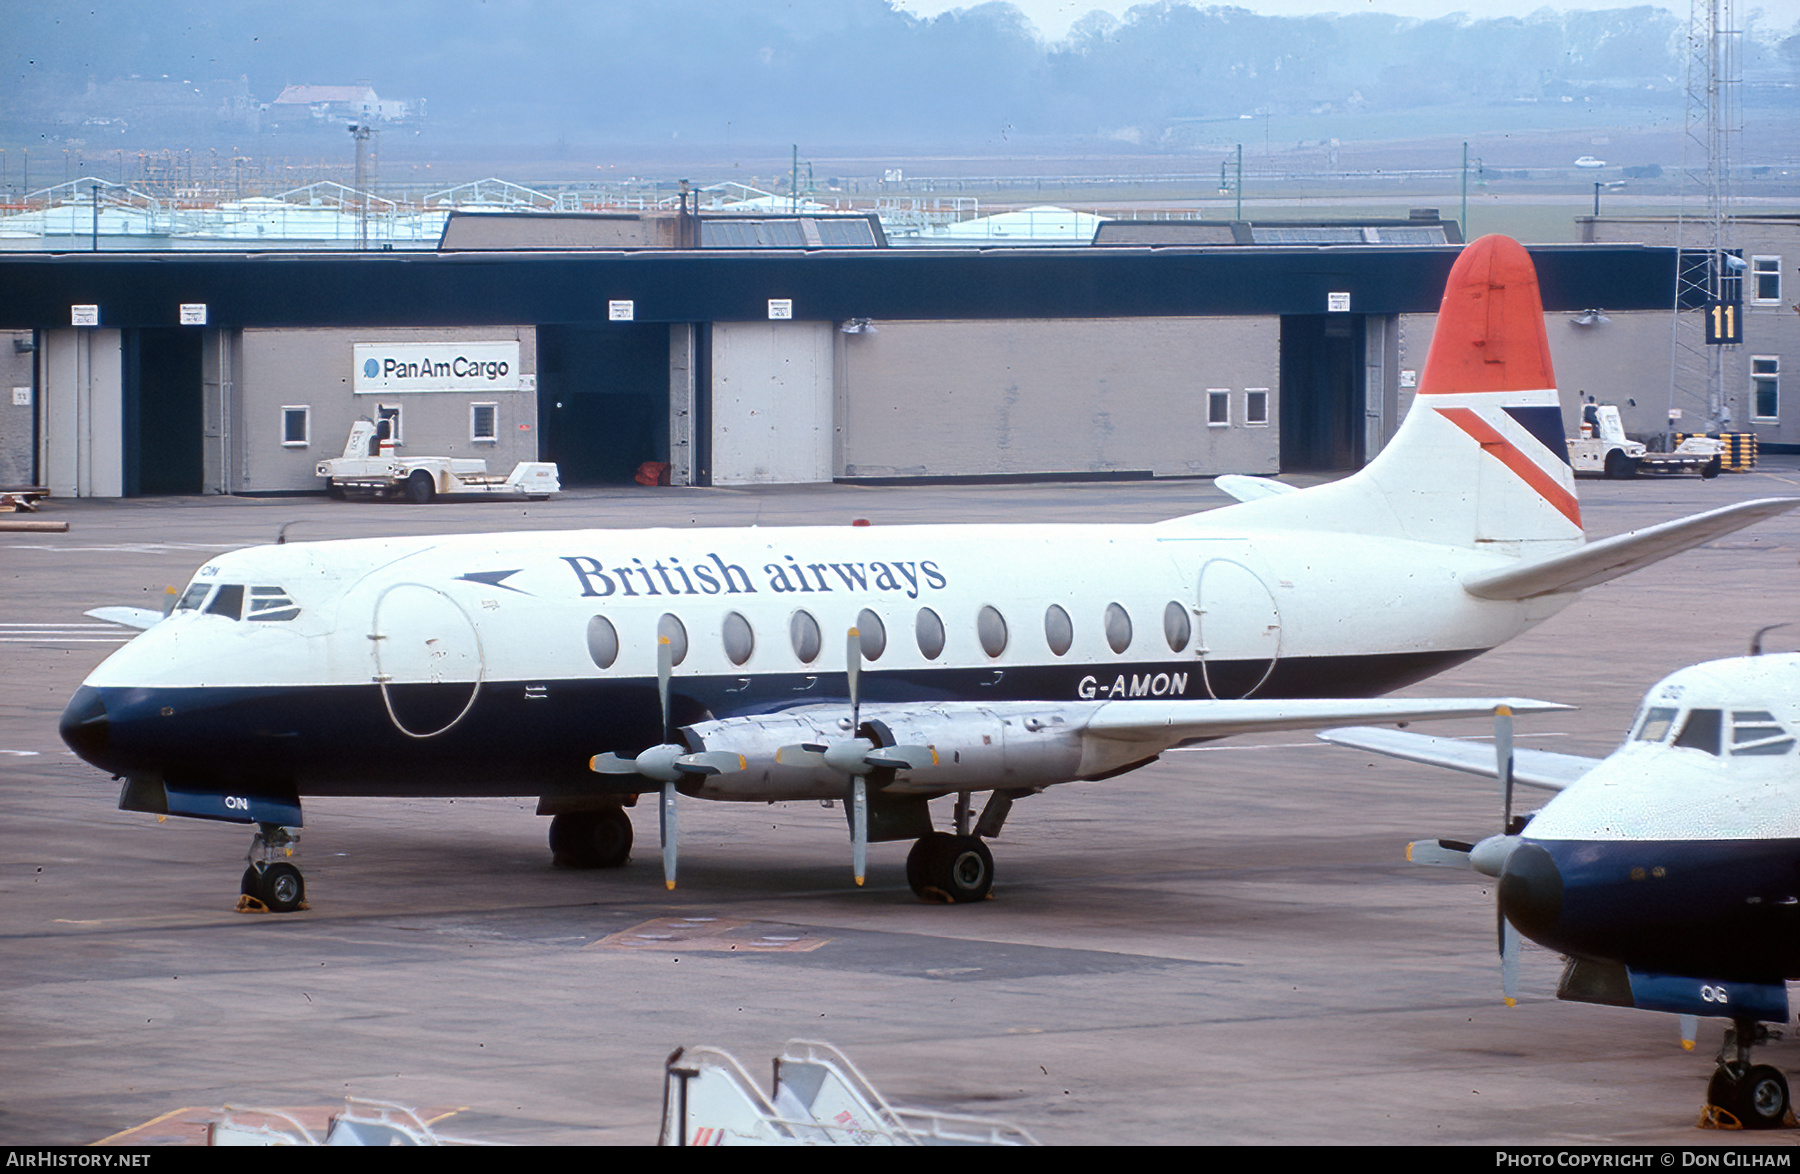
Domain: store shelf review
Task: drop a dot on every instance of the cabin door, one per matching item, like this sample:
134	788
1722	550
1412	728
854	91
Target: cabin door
1240	629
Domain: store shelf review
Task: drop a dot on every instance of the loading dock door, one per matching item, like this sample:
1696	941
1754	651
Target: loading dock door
1322	392
603	399
163	426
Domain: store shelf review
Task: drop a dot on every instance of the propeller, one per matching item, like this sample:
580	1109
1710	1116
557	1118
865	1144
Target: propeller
667	761
856	757
1488	856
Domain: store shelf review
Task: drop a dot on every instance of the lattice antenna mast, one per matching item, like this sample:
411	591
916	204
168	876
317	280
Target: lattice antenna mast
1708	273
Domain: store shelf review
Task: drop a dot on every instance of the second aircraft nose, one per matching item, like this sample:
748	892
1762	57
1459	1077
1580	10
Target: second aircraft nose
1531	891
85	726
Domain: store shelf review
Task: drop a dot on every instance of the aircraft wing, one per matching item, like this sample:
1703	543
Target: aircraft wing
1542	769
1170	723
1598	562
131	617
1246	488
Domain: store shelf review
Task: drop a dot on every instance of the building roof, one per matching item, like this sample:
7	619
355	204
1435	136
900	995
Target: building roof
314	95
399	288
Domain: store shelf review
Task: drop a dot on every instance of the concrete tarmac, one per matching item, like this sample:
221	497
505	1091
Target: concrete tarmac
1224	947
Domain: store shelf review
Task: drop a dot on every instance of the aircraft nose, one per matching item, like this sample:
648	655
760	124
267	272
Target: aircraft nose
1531	891
84	726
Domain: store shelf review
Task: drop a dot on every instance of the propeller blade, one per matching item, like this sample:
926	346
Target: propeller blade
801	755
611	764
903	757
1443	853
713	762
665	668
853	666
859	827
1690	1032
1503	763
670	834
1510	944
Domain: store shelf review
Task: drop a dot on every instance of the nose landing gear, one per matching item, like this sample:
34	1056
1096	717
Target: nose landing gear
271	885
1745	1095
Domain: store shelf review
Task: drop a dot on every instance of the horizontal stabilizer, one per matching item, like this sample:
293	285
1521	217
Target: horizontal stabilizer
131	617
1169	723
1543	769
1607	559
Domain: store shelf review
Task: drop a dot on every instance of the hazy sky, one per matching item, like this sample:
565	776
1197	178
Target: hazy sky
1053	17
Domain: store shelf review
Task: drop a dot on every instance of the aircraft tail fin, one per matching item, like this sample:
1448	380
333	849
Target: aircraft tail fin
1480	459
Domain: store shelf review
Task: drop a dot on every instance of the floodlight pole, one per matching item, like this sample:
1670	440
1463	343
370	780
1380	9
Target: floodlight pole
360	132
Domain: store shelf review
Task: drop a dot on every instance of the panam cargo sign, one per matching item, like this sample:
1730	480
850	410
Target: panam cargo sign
435	366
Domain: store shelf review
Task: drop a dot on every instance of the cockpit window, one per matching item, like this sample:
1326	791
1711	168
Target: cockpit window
227	601
271	603
1701	730
1655	726
1755	731
264	603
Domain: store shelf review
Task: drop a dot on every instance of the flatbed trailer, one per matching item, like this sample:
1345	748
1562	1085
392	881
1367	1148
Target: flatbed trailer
370	468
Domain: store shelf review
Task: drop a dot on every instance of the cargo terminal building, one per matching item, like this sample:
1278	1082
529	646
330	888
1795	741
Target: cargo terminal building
185	373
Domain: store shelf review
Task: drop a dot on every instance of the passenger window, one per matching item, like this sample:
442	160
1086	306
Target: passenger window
1118	627
602	642
871	634
228	602
1176	626
1059	631
930	632
671	629
990	629
740	641
1700	731
803	631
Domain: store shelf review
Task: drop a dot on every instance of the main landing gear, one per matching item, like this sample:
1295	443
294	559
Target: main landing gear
954	869
271	885
591	839
1755	1096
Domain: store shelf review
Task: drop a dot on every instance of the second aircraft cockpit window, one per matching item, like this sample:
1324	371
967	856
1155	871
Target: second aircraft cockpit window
265	603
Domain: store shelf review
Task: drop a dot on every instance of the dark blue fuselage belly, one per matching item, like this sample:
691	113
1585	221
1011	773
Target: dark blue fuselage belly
1725	909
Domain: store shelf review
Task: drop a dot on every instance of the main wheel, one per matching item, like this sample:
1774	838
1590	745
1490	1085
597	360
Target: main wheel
955	869
251	885
420	488
282	888
920	863
591	839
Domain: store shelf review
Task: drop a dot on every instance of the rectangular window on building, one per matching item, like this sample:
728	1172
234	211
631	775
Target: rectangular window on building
1765	280
483	423
1256	406
1765	387
296	426
1218	408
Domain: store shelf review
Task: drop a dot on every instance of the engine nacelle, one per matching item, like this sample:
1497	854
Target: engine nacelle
978	748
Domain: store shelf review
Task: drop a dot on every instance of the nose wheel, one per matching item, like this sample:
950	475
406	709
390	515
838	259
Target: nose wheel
271	885
1755	1096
